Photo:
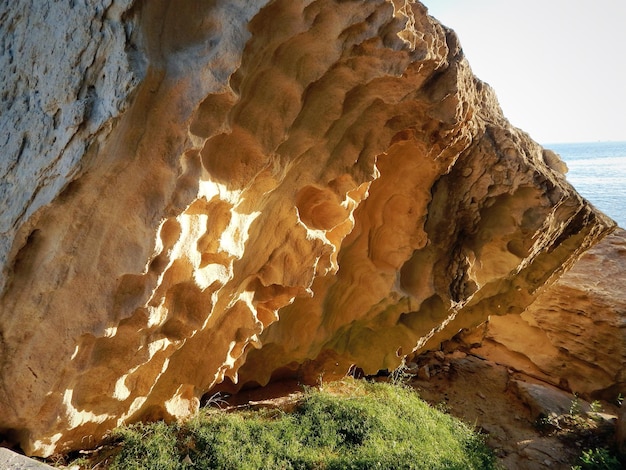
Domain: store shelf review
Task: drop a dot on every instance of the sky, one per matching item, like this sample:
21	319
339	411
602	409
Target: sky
558	67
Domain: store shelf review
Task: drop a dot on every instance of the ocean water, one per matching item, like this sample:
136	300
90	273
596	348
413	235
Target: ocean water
598	172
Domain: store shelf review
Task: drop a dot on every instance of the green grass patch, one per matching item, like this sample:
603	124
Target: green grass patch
347	425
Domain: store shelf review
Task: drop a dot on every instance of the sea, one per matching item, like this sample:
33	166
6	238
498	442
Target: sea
598	172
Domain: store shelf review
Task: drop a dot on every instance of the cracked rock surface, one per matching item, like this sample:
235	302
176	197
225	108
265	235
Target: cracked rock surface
206	191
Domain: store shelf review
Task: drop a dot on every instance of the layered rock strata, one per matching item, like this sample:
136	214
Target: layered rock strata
252	187
574	334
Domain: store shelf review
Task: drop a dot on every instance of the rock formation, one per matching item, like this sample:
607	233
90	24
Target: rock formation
574	334
195	191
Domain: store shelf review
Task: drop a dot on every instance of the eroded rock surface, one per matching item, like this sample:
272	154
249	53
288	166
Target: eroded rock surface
574	334
268	188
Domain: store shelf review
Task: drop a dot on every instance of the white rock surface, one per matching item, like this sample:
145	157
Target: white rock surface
66	73
10	460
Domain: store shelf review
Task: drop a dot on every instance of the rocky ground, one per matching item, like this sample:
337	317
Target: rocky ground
508	407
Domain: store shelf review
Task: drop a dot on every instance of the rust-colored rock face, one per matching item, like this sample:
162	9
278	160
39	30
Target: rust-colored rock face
260	188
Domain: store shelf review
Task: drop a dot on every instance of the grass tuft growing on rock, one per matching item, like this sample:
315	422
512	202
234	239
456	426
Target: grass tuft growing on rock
346	425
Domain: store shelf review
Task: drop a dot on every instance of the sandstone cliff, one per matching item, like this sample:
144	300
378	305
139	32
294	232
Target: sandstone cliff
574	334
195	191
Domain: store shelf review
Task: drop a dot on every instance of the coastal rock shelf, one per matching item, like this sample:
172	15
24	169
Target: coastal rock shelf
573	334
200	192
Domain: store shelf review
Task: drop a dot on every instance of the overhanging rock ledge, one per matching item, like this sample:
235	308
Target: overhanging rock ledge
195	191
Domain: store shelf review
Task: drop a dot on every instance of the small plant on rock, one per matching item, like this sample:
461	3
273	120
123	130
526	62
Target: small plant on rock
575	407
598	459
400	375
596	406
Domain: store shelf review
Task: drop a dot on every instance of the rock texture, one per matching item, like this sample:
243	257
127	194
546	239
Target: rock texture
525	421
574	334
250	188
66	75
14	461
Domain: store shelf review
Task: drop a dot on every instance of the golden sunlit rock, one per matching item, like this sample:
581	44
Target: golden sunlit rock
250	189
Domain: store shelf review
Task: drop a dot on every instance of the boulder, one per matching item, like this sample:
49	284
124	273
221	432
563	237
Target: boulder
245	190
545	400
